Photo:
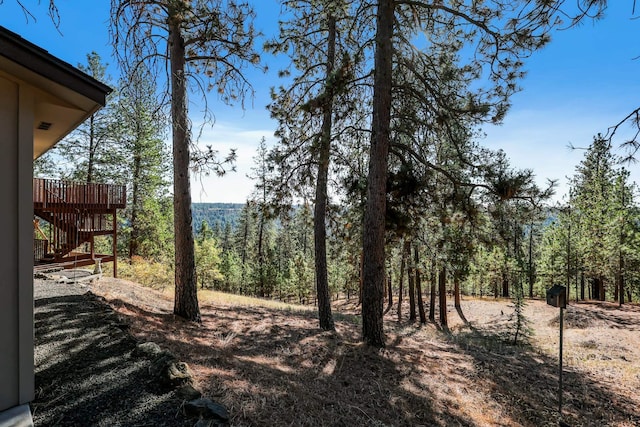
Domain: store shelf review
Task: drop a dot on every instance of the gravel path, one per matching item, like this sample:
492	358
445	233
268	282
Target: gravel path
85	373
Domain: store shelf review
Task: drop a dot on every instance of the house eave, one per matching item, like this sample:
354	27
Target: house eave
38	60
65	96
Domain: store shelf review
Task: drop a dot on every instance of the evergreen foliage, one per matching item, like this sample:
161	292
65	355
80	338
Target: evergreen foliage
87	153
593	240
377	176
202	45
218	215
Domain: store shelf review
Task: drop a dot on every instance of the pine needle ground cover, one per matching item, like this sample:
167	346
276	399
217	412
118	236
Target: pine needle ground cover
270	365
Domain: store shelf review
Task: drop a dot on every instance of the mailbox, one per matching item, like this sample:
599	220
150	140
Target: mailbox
557	296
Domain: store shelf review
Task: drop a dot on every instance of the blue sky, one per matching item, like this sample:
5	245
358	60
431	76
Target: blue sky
584	81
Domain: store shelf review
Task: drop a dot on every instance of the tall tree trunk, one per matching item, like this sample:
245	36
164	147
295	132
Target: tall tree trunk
403	259
442	291
423	316
456	291
374	217
505	285
620	246
530	267
320	209
621	292
261	253
411	273
568	279
245	243
135	226
621	278
582	285
432	290
595	288
603	294
92	148
186	297
389	293
361	277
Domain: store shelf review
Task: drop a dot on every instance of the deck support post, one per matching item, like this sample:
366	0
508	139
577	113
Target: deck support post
115	244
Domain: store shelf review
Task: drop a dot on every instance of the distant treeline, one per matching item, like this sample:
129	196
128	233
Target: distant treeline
213	213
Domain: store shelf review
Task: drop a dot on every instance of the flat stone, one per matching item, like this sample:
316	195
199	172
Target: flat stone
147	349
210	423
206	409
188	392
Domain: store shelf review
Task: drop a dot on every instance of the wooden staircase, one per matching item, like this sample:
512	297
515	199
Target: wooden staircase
76	213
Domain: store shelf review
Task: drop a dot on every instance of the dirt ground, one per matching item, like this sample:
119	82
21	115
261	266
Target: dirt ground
273	366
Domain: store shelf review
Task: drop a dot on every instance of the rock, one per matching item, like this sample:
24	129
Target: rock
210	423
147	349
188	392
160	363
206	409
179	373
169	372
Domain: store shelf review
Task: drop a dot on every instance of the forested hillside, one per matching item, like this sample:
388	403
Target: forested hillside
216	214
377	198
415	209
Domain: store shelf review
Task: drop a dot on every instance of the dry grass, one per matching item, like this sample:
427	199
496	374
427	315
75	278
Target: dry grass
270	365
207	297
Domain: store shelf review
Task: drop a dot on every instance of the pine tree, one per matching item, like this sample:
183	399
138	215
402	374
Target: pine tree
593	236
210	41
245	244
207	259
261	175
593	186
312	110
139	160
500	34
85	154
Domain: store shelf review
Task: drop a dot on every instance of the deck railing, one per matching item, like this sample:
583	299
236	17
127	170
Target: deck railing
52	192
40	249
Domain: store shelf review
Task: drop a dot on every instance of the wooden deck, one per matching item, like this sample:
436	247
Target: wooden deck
71	261
67	196
76	213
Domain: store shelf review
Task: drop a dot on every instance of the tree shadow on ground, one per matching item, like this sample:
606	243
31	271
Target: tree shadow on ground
625	317
525	382
85	374
274	367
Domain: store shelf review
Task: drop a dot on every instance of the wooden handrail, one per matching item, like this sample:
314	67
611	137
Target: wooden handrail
51	191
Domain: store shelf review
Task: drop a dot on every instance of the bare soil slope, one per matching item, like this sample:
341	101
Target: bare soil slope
273	367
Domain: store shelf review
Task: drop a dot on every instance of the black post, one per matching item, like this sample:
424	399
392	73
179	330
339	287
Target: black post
560	375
